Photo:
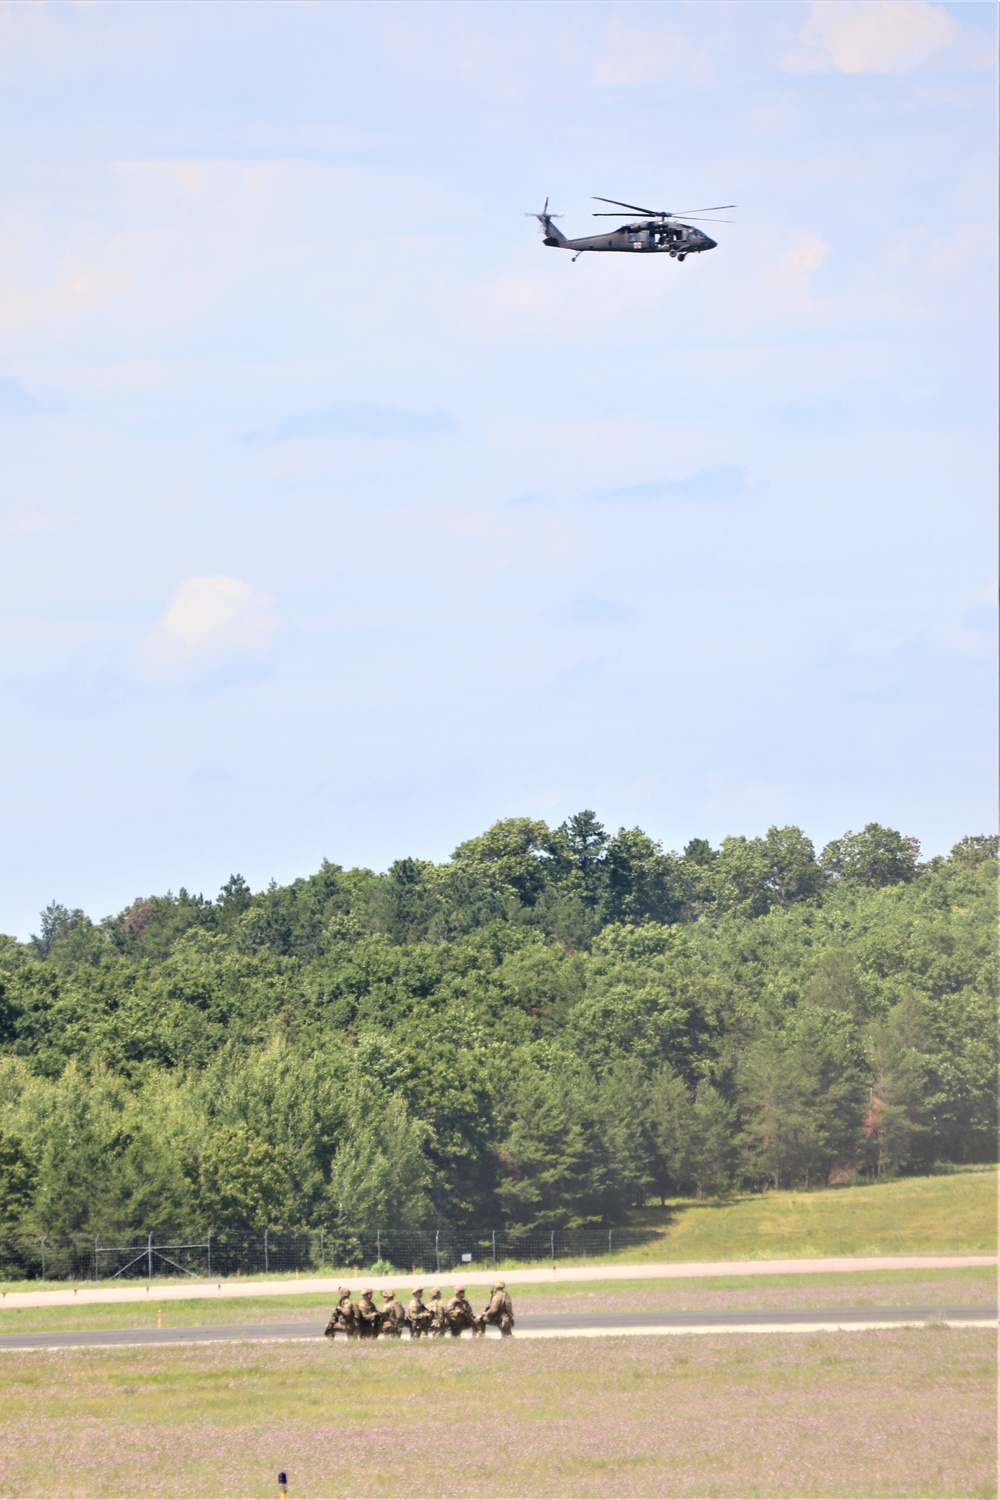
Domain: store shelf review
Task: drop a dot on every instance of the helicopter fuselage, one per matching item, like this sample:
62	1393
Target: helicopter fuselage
678	240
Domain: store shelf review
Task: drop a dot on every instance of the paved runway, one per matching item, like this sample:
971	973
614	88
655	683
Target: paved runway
552	1325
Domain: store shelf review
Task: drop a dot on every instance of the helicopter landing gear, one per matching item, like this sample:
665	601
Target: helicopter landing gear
682	257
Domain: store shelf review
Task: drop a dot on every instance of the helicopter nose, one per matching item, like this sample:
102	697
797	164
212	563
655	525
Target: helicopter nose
709	244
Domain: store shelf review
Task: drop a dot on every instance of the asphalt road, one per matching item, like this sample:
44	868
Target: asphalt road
539	1325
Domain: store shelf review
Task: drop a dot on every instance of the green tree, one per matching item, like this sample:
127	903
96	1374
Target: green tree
976	848
510	858
893	1126
546	1178
411	900
18	1182
877	856
712	1145
671	1125
792	871
379	1177
243	1184
802	1093
643	883
740	878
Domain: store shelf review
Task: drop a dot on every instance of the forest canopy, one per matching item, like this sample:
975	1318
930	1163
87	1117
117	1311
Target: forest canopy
546	1030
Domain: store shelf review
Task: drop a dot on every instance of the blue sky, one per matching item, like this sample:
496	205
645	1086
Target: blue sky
340	517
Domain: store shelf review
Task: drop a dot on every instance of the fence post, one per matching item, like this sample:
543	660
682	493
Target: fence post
149	1255
667	1234
378	1244
610	1232
208	1247
322	1261
553	1244
96	1239
437	1250
266	1262
494	1249
43	1257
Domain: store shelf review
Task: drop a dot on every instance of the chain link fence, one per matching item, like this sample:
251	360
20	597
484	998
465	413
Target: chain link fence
439	1252
317	1252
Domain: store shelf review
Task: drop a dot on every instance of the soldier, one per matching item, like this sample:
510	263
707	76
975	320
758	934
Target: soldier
344	1318
459	1315
369	1317
499	1310
393	1316
419	1316
438	1321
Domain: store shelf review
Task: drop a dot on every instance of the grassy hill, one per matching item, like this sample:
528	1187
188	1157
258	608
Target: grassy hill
949	1212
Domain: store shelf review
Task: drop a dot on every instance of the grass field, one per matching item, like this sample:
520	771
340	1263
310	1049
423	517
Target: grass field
970	1284
907	1412
947	1212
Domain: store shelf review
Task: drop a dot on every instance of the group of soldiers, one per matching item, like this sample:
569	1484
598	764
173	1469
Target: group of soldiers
435	1319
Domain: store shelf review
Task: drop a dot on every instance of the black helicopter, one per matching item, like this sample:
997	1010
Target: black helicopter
656	233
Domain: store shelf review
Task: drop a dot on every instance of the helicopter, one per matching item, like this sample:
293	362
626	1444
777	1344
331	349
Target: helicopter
656	233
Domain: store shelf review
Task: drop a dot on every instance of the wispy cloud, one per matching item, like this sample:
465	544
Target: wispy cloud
210	622
886	36
793	271
716	482
356	419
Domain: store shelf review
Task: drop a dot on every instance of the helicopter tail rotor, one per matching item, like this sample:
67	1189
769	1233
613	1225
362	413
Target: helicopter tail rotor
549	230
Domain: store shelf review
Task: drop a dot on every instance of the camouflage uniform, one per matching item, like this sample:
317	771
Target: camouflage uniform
393	1316
369	1317
500	1310
459	1315
418	1314
344	1318
438	1322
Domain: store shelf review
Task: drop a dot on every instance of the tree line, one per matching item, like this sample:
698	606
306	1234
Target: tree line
545	1031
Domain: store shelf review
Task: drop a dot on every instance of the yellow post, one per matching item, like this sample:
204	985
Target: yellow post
159	1317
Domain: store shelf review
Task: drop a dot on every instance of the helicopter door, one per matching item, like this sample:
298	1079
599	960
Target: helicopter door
640	239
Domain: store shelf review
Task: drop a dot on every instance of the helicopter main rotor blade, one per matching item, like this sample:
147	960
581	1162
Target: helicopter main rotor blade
718	207
671	218
650	212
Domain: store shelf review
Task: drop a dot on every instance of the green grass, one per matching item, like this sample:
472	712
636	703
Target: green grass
954	1212
906	1412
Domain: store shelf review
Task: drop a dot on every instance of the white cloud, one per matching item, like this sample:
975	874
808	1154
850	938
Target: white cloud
209	622
885	36
793	272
